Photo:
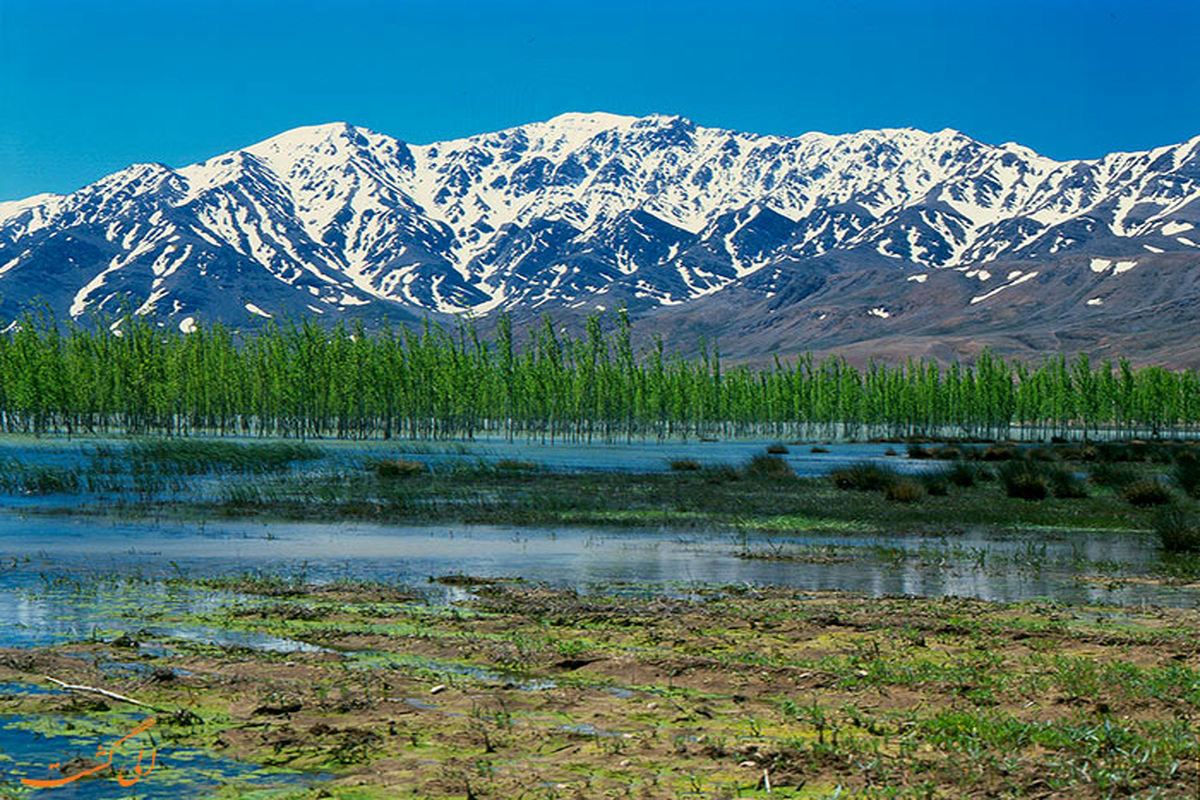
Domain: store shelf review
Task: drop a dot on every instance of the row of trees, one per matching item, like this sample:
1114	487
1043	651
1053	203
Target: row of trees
303	380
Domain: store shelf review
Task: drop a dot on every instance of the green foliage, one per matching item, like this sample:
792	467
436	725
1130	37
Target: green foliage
304	381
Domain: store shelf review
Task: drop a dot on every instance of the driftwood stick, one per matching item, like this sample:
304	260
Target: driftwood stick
70	687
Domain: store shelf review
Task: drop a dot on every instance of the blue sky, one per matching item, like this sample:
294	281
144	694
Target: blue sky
89	87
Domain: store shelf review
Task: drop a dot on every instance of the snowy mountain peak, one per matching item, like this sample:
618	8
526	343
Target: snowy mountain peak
581	210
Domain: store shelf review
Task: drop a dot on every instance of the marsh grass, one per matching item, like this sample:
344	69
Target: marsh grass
1147	492
1187	473
198	456
1178	529
1113	476
515	465
769	467
864	476
963	475
397	468
904	490
17	477
1037	480
916	451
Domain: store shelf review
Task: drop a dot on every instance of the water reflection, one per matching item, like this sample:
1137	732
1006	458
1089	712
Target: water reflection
73	579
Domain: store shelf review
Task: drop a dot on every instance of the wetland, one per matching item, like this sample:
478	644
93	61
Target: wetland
703	619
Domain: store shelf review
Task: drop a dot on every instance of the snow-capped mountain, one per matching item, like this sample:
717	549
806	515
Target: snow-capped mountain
585	211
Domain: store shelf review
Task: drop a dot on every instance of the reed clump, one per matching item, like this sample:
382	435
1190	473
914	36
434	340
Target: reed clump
865	476
1178	529
1147	492
397	468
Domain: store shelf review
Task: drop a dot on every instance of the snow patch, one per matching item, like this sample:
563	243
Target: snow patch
880	312
1095	301
187	324
1123	266
918	278
253	309
1172	228
1100	264
998	289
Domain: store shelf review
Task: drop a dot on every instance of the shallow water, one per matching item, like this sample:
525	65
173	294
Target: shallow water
31	749
67	578
636	456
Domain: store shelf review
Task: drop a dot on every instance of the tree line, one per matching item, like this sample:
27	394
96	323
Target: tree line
303	380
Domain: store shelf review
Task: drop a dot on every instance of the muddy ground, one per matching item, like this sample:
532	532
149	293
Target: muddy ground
527	691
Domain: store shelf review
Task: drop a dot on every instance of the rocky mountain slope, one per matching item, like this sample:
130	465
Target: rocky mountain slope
859	241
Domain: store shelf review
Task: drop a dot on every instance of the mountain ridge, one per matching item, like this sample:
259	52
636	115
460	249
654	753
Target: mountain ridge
589	210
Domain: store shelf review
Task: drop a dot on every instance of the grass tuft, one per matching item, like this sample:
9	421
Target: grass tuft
864	476
1178	530
904	490
772	467
1147	492
1187	473
397	468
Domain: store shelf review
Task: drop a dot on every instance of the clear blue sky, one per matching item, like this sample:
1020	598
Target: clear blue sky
89	87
